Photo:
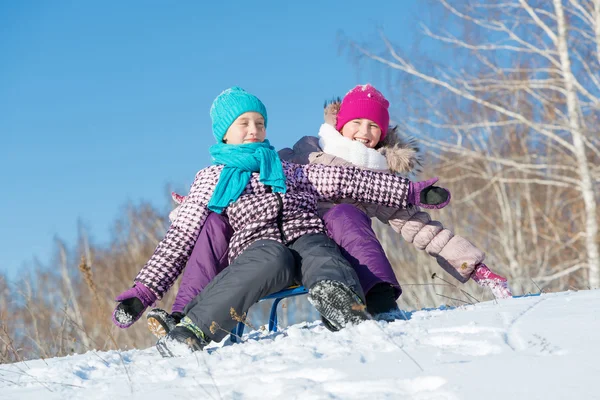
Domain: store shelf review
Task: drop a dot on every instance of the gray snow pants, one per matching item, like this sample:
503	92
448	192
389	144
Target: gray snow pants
266	267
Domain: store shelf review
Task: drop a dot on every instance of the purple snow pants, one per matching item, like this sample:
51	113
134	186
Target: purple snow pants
348	226
208	258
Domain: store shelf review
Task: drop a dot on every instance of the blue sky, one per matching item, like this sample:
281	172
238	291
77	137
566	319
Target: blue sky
104	103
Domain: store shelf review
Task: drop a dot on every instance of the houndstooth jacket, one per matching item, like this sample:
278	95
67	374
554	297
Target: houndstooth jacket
261	214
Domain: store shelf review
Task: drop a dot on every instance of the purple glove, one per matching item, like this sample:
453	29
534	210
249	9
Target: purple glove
424	194
132	304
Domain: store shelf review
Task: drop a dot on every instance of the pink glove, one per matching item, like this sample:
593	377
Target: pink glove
132	304
424	194
496	283
177	198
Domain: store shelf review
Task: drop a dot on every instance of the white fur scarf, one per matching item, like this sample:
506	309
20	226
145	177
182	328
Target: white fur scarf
332	142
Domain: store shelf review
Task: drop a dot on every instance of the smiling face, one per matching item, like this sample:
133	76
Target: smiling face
247	128
362	130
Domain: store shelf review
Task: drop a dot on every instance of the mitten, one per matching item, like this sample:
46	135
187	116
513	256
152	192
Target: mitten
132	304
487	279
424	194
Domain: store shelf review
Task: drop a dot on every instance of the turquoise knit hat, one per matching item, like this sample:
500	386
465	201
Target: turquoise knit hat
229	105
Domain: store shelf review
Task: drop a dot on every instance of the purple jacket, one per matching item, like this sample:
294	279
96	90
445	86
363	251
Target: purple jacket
261	214
455	254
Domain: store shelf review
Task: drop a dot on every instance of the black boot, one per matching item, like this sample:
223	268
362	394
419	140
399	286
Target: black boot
184	339
161	322
381	303
337	304
328	325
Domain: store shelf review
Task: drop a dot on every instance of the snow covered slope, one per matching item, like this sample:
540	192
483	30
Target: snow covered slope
544	347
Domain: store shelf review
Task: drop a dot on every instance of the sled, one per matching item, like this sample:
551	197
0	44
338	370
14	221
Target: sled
292	291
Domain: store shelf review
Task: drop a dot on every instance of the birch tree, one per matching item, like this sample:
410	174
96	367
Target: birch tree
526	66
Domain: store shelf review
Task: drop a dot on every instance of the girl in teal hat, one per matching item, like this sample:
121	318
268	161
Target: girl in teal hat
278	238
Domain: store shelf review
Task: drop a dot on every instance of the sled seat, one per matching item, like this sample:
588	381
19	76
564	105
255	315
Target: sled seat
291	291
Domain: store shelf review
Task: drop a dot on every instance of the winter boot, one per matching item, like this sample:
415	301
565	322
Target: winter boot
161	322
184	339
381	303
337	304
328	325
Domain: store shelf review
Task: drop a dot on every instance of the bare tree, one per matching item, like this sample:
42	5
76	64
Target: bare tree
524	80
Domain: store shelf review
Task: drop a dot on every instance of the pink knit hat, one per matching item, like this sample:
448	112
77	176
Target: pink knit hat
364	101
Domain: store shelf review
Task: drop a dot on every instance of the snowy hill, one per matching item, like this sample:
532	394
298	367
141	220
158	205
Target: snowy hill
542	347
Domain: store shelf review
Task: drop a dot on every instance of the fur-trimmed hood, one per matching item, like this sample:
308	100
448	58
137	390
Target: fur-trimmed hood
402	154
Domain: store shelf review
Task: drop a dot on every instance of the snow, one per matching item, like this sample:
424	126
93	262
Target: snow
123	317
538	347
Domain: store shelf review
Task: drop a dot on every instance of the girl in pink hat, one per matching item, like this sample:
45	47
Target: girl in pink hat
356	132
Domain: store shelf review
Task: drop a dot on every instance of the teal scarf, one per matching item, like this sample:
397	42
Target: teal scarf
240	160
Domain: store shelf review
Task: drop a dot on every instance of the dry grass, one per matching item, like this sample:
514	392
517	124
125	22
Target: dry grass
39	314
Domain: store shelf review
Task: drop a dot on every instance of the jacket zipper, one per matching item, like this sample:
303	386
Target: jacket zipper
280	218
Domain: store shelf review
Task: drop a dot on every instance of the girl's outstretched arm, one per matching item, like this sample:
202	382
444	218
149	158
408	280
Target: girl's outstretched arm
454	253
334	182
171	254
158	274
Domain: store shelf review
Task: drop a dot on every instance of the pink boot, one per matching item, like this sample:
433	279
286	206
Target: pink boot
496	283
